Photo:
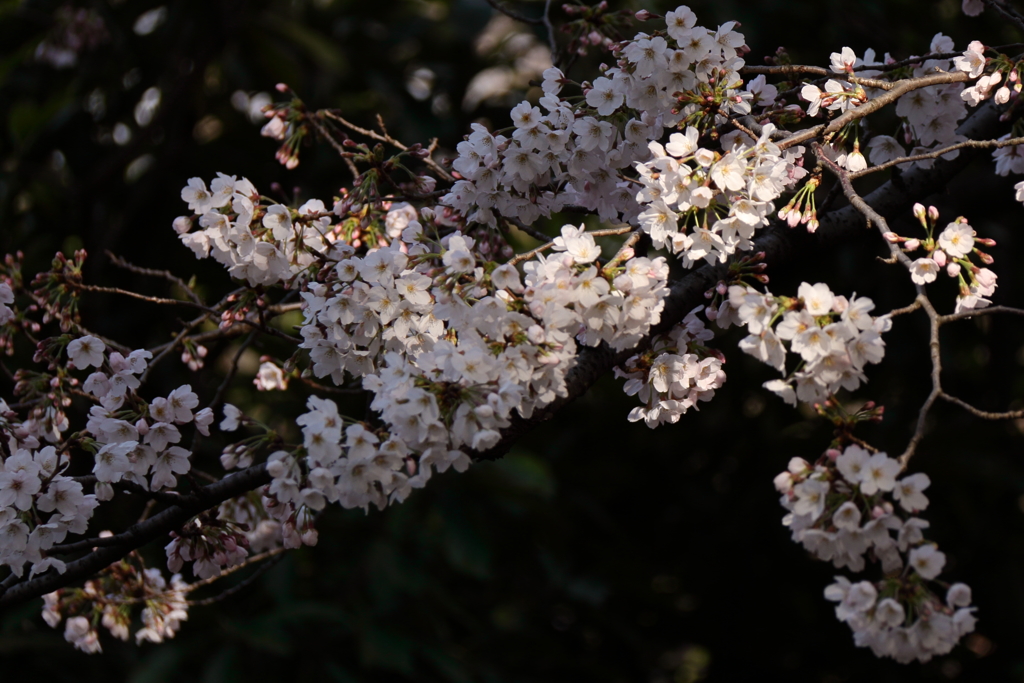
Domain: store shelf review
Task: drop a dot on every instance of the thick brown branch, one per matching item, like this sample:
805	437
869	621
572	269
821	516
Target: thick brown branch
799	70
137	535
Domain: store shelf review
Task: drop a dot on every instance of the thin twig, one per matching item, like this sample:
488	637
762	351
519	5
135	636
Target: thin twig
906	309
977	144
974	312
1010	13
882	225
935	321
984	414
165	274
273	556
551	30
529	230
136	295
342	152
373	135
232	370
500	6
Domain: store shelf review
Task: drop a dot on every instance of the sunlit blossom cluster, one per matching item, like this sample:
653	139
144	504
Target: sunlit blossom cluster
424	308
852	506
951	252
835	337
705	205
675	374
564	154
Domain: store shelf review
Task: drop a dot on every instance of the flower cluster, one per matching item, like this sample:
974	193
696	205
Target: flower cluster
260	243
951	252
574	155
451	346
674	374
930	115
39	506
851	505
131	440
835	337
109	599
134	450
210	544
707	205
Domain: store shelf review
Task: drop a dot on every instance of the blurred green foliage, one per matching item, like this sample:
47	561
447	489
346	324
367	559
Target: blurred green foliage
598	550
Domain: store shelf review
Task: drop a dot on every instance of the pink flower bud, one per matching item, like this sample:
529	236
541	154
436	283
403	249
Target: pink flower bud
142	426
182	224
985	277
643	15
940	258
953	269
798	466
832	454
933	213
912	245
919	211
892	237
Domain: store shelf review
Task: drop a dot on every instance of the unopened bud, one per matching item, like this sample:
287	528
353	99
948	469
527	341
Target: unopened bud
643	15
933	213
912	245
182	224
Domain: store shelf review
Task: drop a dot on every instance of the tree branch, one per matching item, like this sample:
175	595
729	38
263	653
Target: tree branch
900	88
781	245
116	547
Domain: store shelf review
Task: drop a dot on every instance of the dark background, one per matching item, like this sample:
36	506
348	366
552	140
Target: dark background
597	550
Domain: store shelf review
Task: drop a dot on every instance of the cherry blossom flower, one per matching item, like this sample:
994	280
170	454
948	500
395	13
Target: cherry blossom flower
86	352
